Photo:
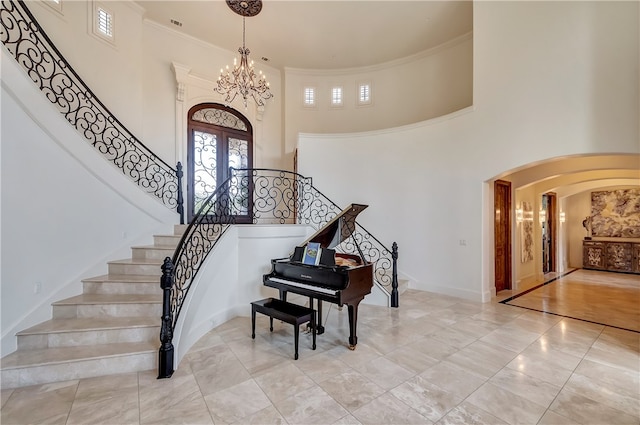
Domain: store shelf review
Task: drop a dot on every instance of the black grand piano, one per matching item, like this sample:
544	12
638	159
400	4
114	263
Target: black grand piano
338	278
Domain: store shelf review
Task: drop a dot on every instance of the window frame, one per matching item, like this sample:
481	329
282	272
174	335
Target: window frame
359	87
95	23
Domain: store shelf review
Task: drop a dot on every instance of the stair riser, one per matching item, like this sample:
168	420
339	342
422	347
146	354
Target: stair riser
178	229
135	269
162	240
22	377
137	288
79	338
107	310
150	253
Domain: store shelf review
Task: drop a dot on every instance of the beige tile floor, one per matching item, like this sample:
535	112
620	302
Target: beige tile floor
436	359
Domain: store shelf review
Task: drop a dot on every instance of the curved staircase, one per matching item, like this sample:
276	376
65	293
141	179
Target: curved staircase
112	327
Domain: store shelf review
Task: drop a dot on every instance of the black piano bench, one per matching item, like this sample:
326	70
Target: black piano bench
287	312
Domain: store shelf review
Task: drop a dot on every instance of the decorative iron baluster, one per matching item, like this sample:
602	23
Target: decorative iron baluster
25	40
394	280
165	356
180	208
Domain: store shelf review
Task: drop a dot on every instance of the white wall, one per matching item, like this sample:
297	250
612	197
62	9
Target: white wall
551	79
430	84
66	211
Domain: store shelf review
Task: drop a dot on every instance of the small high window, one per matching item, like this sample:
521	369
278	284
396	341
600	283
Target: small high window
336	96
364	94
103	23
309	99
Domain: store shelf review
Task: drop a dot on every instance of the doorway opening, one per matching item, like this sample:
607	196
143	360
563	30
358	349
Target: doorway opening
548	209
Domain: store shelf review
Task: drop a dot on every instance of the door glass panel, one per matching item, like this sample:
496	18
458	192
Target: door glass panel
239	158
204	167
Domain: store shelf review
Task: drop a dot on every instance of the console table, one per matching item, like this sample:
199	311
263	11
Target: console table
611	256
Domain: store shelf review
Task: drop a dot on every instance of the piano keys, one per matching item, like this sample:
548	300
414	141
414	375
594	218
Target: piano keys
338	278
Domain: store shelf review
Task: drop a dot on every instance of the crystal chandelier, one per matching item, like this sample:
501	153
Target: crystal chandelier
242	80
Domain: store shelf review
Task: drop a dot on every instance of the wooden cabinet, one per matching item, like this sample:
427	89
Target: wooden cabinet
611	256
635	257
593	255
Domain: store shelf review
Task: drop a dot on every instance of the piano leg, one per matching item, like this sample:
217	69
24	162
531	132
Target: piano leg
319	327
353	323
318	323
283	295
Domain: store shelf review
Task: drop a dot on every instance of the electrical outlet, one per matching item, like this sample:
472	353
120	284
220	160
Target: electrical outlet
37	287
463	242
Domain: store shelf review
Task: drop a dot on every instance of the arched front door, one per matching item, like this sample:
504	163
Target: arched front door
219	137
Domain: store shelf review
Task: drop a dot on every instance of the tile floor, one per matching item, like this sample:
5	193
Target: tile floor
436	359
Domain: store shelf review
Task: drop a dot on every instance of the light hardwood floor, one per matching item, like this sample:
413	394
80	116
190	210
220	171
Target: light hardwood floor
611	299
436	359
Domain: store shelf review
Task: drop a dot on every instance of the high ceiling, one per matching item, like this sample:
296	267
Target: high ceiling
327	34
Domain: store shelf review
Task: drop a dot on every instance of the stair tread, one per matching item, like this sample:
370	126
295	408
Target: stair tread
142	261
111	299
133	278
90	324
48	356
158	247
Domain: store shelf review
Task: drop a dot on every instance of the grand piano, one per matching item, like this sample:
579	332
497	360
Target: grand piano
338	278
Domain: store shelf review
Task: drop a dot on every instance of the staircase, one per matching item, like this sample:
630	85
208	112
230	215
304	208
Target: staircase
112	327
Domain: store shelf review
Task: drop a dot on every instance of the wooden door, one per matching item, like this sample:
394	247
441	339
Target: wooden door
552	207
502	234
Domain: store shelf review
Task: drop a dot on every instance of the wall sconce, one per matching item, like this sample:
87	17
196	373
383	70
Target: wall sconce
542	216
562	217
519	215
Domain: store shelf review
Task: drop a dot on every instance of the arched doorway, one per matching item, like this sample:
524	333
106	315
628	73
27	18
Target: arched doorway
219	137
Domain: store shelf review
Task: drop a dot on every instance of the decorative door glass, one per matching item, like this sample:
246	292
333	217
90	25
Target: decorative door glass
219	138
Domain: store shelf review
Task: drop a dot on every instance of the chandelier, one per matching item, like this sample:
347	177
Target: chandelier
242	80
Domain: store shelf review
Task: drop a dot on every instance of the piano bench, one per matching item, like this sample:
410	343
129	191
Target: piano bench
287	312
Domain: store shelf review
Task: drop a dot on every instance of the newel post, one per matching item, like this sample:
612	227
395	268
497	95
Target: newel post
180	208
165	361
395	302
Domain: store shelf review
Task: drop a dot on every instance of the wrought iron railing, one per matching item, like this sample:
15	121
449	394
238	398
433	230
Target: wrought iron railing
26	41
259	196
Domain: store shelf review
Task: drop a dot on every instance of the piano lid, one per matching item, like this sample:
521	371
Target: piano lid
338	229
